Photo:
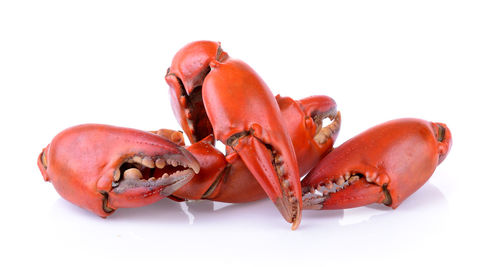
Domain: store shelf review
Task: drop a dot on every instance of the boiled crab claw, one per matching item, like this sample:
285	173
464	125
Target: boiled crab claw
102	168
385	164
243	114
185	78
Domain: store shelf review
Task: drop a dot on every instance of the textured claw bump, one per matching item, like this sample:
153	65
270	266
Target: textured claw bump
384	164
102	168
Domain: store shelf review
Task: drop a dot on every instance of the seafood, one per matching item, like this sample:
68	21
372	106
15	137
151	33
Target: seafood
385	164
102	168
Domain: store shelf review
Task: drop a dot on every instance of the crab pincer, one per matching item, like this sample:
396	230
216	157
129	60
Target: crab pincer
385	164
245	116
102	168
185	78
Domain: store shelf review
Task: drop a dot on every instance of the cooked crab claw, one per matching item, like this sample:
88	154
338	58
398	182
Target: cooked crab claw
385	164
102	168
246	117
185	78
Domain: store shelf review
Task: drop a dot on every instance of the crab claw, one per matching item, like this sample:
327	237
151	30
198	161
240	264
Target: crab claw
246	117
102	168
185	78
385	164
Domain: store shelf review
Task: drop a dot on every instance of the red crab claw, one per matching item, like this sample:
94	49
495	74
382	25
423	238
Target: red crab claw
185	78
102	168
384	164
245	116
227	179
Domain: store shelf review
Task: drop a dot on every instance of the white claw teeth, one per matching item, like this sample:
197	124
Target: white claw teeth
148	162
280	170
116	175
137	159
340	181
132	173
329	185
151	179
174	163
160	163
286	183
164	175
347	175
278	160
368	179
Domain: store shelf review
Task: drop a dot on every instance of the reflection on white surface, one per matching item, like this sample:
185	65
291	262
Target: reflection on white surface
205	230
429	196
359	215
220	205
185	209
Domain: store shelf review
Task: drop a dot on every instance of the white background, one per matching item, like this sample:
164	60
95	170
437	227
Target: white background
64	63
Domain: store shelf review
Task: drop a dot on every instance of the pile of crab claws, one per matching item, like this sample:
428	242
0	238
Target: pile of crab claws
134	168
385	164
270	142
226	178
209	90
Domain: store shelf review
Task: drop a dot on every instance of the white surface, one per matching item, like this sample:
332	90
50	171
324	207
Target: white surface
64	64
